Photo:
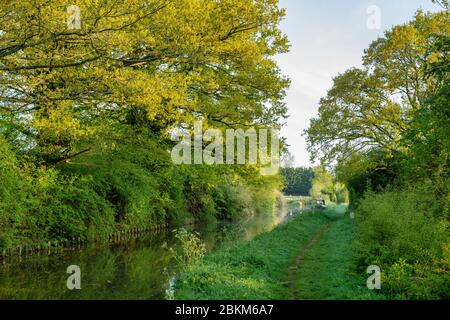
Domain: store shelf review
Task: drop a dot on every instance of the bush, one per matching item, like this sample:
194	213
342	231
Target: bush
12	196
118	186
401	232
67	208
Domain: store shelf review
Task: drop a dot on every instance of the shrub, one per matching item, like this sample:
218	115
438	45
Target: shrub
190	249
400	232
12	196
118	186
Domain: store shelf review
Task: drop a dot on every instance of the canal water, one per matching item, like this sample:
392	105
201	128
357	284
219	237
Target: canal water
137	268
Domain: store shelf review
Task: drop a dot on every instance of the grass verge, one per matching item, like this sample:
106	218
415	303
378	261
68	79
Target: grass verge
252	270
259	269
327	271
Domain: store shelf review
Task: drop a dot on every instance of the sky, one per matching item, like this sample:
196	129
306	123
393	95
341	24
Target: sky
328	37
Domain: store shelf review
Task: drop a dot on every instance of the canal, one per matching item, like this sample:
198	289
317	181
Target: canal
136	268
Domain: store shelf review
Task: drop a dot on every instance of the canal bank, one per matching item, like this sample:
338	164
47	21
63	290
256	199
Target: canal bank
269	268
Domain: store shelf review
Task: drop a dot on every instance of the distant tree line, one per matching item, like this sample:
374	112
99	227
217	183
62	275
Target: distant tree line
298	181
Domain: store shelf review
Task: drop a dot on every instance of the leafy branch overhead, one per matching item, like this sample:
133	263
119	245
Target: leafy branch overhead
177	60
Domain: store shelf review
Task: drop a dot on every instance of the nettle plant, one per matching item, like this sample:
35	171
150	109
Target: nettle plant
189	249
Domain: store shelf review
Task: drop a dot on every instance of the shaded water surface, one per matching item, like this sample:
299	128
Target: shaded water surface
139	268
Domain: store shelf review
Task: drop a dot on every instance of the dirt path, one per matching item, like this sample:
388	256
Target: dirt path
292	276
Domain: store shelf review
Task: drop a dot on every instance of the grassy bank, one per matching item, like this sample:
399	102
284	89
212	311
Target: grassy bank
253	270
259	269
327	271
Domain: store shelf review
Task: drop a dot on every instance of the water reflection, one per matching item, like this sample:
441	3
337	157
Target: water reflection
139	268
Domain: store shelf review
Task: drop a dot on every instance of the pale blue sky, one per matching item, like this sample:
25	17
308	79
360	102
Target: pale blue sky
328	37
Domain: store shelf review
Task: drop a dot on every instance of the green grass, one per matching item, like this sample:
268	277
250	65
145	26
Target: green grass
327	269
252	270
259	269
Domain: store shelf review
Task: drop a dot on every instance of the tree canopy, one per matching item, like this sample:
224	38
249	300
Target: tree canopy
372	108
163	63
